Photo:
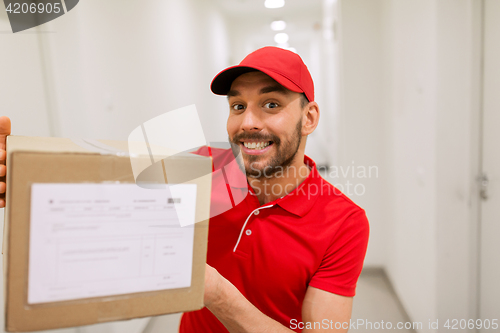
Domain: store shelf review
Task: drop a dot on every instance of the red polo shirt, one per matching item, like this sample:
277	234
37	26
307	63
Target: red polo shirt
314	236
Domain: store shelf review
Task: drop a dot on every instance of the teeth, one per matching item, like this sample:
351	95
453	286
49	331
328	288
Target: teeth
256	145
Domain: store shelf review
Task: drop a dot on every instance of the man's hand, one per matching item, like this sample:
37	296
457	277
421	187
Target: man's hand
238	315
233	310
212	284
4	131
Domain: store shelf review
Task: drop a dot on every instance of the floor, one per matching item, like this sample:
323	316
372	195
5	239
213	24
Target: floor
375	302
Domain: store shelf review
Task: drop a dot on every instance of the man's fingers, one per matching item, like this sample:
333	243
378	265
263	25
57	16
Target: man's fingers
5	127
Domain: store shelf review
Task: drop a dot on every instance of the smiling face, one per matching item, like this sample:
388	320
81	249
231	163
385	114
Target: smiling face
265	124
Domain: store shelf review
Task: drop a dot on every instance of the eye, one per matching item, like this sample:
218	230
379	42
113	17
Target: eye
271	105
238	107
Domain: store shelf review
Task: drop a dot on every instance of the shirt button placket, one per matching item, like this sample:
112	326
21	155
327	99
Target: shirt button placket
248	232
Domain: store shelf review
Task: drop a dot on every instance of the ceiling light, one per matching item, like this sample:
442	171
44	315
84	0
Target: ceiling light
278	25
281	38
274	3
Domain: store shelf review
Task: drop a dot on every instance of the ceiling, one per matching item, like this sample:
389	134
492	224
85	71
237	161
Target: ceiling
249	24
256	8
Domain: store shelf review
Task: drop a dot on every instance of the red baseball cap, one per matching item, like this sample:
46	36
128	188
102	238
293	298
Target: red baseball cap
285	67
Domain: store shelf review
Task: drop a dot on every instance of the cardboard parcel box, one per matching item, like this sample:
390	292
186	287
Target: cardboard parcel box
84	244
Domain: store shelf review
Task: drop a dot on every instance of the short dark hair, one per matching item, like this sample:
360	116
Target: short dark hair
303	100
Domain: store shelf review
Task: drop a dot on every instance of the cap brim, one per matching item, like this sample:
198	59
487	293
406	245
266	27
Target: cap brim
221	84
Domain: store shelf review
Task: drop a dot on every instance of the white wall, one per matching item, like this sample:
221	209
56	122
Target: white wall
410	105
363	125
114	69
22	80
412	260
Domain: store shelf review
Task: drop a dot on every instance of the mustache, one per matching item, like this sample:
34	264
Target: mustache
256	136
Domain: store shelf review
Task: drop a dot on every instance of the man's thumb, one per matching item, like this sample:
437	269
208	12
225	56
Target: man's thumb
4	130
4	125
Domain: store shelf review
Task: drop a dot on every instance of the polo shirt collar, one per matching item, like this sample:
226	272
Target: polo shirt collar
298	202
301	200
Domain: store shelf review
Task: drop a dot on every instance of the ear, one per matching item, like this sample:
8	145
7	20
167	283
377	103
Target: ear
310	118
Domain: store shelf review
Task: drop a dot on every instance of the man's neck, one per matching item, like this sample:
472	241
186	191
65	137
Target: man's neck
281	183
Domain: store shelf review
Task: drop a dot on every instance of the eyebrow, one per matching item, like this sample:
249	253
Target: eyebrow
232	93
274	88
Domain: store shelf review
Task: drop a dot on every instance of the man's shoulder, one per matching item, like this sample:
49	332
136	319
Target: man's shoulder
337	206
332	193
220	156
211	151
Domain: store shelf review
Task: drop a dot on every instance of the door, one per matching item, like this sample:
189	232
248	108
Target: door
489	275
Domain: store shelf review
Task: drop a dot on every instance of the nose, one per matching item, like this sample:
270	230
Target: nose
251	121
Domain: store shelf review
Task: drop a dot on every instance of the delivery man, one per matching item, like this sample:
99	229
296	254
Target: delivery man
288	256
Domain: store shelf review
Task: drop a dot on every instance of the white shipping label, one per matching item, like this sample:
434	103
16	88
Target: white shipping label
92	240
